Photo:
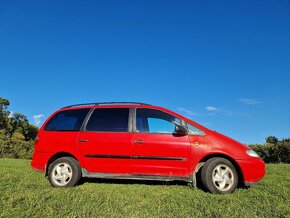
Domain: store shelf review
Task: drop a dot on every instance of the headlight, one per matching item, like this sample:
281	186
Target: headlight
252	153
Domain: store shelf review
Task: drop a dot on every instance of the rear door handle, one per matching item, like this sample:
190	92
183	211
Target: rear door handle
83	140
138	141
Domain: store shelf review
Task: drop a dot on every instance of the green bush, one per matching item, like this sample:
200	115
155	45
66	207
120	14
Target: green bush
18	136
282	152
273	153
15	148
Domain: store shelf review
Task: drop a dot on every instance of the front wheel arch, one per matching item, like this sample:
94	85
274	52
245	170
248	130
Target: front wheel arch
236	165
219	176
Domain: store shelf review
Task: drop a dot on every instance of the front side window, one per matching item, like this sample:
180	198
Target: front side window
109	120
69	120
154	121
192	130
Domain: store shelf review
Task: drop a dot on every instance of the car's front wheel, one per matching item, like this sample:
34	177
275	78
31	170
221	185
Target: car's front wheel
219	176
64	172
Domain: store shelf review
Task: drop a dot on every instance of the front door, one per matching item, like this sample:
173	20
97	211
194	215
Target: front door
105	144
156	149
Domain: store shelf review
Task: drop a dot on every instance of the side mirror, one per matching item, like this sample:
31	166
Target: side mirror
180	130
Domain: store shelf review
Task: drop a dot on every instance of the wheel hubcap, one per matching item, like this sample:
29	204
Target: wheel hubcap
223	177
61	174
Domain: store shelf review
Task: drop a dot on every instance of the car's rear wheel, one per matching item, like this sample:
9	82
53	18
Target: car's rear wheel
219	176
64	172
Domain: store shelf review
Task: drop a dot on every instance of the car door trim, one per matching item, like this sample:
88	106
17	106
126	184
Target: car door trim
135	157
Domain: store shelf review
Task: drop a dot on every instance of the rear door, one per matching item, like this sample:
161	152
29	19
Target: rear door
156	149
61	132
105	144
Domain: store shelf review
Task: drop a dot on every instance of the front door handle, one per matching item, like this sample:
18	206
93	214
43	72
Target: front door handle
83	140
138	141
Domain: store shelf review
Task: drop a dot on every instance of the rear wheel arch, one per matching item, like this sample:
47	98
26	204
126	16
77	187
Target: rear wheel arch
57	156
235	164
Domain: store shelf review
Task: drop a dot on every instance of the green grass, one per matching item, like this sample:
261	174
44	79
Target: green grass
26	193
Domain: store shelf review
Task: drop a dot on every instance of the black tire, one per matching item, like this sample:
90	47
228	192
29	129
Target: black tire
64	172
219	176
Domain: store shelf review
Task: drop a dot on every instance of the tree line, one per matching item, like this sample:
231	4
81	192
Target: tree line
17	135
274	150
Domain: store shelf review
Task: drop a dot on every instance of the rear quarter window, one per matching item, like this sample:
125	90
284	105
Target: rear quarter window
192	130
69	120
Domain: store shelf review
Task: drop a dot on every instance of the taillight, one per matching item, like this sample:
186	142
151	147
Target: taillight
36	138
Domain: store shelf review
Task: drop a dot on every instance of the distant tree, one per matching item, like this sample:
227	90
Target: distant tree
16	133
19	123
4	113
18	136
272	140
31	133
16	122
286	140
13	124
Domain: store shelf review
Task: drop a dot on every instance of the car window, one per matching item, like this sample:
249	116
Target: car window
154	121
69	120
109	120
192	130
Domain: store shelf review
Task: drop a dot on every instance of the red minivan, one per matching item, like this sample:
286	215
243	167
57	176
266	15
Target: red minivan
133	140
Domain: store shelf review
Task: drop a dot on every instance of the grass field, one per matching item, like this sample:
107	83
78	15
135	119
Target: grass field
26	193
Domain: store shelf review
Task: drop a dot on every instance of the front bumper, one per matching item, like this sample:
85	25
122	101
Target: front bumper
253	170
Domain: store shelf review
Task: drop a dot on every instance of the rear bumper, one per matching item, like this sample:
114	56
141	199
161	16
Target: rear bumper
39	161
253	170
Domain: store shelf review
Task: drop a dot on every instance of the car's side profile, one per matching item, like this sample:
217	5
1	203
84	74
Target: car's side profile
140	141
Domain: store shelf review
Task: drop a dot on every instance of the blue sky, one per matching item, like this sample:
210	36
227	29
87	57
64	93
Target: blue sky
224	64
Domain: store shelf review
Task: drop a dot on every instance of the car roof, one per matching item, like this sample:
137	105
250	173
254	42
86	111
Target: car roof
116	104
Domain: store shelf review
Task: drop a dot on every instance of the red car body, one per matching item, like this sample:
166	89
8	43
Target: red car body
135	154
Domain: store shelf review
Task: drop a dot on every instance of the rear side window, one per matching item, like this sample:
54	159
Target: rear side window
109	120
69	120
